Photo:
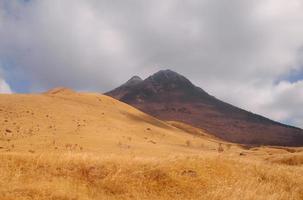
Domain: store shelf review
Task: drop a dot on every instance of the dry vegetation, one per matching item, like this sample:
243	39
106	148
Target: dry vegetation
86	176
289	159
87	146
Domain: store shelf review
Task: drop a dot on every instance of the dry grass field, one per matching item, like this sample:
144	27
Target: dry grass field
67	145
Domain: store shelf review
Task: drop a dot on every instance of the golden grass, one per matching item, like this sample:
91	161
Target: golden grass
87	176
289	159
65	145
86	122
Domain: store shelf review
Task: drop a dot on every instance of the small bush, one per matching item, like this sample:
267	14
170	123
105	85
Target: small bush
220	148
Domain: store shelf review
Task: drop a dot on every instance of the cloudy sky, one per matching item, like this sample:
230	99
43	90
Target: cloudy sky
246	52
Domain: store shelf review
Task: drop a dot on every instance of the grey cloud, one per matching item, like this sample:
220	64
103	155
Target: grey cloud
235	49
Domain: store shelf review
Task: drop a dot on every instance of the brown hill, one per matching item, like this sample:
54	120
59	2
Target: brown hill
62	119
168	95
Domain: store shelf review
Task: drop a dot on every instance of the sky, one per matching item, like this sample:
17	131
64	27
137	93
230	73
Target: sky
245	52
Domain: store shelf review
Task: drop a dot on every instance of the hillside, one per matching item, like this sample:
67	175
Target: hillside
83	146
168	95
61	119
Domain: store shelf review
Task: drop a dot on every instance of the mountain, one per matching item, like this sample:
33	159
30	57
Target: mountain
168	95
122	90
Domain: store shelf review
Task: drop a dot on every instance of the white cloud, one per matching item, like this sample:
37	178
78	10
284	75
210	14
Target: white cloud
287	99
281	102
4	87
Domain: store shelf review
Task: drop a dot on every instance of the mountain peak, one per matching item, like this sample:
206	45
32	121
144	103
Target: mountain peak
133	81
168	77
168	74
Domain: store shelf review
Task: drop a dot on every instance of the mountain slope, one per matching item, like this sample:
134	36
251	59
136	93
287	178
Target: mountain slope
61	119
168	95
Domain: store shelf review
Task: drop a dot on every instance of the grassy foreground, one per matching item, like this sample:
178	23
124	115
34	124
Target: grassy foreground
63	145
87	176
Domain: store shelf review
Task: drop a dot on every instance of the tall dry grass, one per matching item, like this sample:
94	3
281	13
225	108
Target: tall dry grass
293	159
85	176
